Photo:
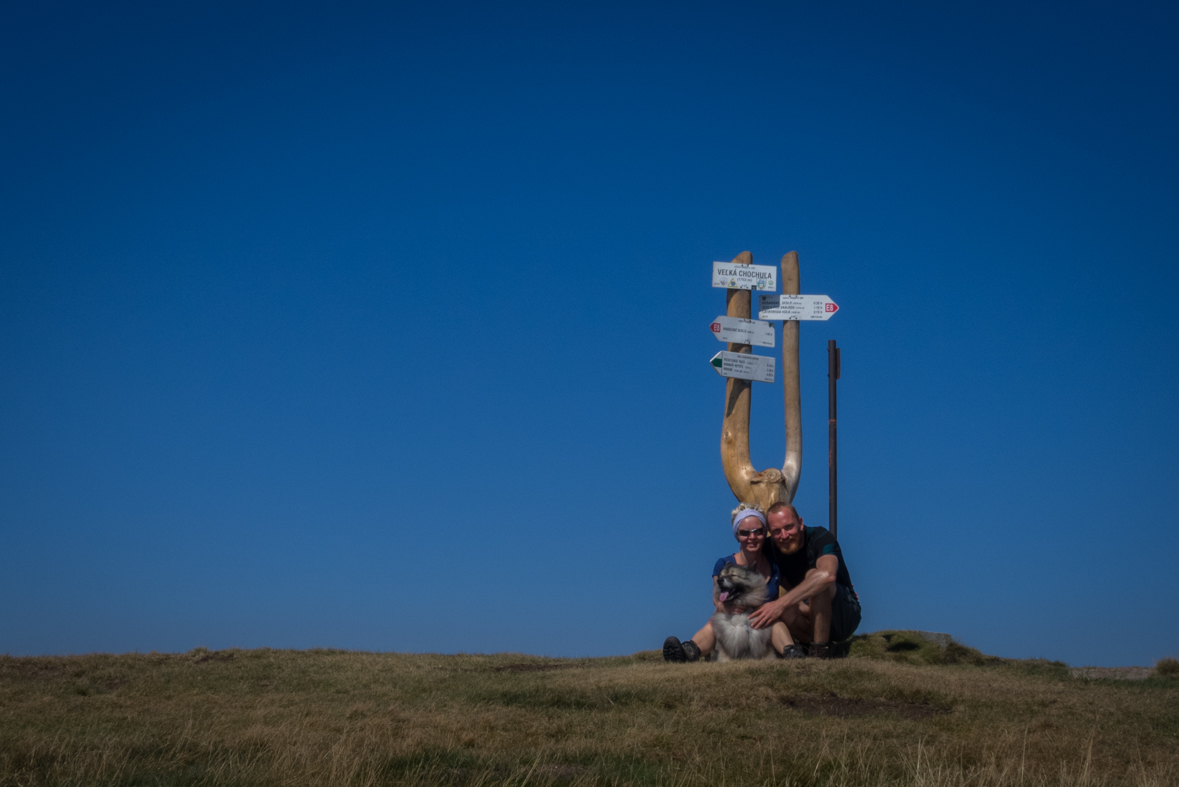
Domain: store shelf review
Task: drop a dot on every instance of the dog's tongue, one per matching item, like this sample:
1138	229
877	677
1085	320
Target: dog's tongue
724	595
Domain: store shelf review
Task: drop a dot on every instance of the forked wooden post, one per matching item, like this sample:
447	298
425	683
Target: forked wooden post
768	486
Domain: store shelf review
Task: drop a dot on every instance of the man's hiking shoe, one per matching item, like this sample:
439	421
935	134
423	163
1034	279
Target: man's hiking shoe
792	652
674	650
822	650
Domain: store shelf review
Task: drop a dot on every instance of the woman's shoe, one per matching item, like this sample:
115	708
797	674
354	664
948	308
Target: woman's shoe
674	650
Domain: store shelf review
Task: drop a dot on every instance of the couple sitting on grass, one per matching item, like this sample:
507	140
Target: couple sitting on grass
816	610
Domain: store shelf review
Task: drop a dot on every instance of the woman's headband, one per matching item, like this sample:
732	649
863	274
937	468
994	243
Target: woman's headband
744	514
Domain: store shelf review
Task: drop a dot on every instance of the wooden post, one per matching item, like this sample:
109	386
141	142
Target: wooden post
735	430
791	386
768	486
832	456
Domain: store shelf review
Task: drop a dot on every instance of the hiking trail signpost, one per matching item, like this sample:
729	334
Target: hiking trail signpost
744	276
795	307
738	331
742	368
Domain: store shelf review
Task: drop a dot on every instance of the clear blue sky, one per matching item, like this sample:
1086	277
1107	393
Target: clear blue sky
385	327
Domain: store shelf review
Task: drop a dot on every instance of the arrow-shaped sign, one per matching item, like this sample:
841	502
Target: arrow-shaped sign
795	307
744	277
742	331
759	368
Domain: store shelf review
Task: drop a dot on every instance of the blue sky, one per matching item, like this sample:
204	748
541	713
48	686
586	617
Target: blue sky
385	328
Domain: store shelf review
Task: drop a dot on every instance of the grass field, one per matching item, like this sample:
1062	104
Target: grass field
899	711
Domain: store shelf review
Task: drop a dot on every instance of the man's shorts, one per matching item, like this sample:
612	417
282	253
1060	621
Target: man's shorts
845	613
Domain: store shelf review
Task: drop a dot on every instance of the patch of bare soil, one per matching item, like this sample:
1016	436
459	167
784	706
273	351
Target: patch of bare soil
1112	673
849	708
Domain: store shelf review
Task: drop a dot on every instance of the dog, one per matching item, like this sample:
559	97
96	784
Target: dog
739	590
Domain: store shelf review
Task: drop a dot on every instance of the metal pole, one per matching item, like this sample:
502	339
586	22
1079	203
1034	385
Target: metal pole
832	487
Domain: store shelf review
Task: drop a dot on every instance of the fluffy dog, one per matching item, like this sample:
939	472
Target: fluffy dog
740	590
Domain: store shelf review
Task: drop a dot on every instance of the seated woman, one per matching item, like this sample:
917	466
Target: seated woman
749	528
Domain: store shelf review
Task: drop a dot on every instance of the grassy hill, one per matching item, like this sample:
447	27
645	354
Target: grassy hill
900	710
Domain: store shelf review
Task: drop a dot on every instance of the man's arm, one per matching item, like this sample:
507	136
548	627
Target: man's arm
818	579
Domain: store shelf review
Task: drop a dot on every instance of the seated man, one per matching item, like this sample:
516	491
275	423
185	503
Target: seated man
819	606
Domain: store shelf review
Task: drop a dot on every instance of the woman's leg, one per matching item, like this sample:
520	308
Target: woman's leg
780	637
798	620
705	639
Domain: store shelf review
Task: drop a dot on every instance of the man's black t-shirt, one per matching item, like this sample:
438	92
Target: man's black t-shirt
816	542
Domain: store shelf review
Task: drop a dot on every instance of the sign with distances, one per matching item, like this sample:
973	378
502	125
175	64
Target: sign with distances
795	307
759	368
744	277
742	331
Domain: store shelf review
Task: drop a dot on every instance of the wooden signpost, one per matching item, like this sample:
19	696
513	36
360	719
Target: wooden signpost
740	278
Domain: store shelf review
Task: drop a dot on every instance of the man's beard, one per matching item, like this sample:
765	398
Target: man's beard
790	548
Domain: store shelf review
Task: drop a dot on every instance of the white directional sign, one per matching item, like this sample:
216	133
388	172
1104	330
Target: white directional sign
795	307
759	368
741	331
744	277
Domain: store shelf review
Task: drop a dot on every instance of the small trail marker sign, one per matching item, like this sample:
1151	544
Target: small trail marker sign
742	331
795	307
759	368
744	277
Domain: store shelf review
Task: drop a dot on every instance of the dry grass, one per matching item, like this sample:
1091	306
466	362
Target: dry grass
1167	668
266	717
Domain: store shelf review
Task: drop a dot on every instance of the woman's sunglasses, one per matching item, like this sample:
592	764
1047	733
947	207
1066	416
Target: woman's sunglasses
757	531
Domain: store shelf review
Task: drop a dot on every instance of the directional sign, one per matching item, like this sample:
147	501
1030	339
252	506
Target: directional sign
740	331
795	307
759	368
744	277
